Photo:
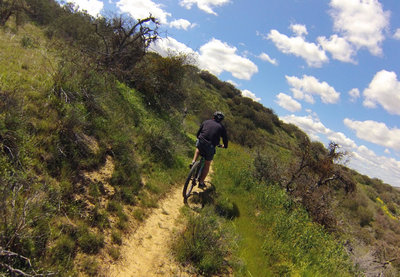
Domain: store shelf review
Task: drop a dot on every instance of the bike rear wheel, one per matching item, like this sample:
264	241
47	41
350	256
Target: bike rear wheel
190	181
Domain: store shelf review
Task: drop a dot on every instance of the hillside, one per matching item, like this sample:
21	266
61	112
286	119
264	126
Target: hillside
93	137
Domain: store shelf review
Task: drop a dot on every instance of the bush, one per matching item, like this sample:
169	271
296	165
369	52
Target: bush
90	242
365	216
90	266
116	237
63	250
159	144
99	219
204	243
114	252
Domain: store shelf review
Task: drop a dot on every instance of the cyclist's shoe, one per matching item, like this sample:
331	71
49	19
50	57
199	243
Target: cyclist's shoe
202	185
191	164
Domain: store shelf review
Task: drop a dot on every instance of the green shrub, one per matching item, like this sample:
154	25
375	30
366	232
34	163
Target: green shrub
203	243
159	144
365	216
139	214
90	266
114	252
114	206
116	237
28	42
64	250
99	218
90	242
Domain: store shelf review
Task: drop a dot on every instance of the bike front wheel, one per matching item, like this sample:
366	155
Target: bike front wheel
190	182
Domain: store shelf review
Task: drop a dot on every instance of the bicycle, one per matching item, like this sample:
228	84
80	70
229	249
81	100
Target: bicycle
193	178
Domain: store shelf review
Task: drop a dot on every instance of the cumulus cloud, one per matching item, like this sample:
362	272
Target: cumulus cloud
312	126
354	94
249	94
93	7
233	83
140	9
267	58
375	132
217	56
299	29
384	89
288	103
181	24
397	34
367	162
339	48
170	46
310	52
204	5
361	22
362	159
308	86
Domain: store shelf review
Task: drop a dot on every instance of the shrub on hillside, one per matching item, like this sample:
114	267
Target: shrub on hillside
160	81
88	241
203	243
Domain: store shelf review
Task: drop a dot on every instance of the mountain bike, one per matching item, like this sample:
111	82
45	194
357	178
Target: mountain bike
193	178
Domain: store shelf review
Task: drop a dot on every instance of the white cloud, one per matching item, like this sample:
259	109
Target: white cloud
299	29
217	56
339	48
267	58
384	89
181	24
204	5
288	103
249	94
387	151
367	162
170	46
362	159
354	94
233	83
313	127
361	22
140	9
375	132
307	86
93	7
310	52
397	34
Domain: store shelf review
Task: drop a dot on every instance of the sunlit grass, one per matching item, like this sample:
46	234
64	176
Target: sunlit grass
278	238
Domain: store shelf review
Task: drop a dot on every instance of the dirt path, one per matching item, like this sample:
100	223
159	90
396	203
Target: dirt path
147	251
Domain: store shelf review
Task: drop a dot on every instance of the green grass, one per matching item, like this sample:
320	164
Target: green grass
278	237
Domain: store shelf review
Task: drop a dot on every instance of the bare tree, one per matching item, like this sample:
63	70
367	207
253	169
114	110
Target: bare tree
124	41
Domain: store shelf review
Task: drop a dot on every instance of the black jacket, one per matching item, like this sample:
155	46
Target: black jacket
211	131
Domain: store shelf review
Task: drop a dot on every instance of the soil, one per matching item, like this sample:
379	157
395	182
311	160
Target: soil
147	251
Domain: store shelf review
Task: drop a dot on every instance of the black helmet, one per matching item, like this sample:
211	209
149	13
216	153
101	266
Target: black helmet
218	116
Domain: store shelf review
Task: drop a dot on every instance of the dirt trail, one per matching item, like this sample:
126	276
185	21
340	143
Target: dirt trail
146	252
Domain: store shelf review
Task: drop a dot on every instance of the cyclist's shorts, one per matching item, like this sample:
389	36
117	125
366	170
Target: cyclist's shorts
206	150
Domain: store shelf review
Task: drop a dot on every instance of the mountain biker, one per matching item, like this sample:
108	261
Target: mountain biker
208	137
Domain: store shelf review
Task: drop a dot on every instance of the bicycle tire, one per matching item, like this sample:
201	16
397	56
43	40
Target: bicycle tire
190	181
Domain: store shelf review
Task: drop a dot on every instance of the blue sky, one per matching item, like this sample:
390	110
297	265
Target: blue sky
330	67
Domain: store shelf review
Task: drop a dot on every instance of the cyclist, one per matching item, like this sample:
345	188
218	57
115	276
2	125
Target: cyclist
208	137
